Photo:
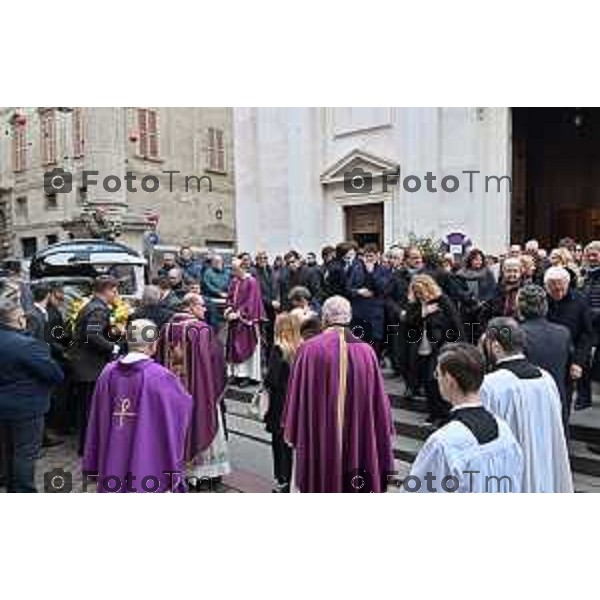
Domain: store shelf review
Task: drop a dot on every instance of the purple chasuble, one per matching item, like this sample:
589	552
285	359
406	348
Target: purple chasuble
317	410
190	349
138	423
243	334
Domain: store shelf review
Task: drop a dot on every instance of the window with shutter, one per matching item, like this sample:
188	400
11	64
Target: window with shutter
142	126
78	133
220	151
152	129
19	147
48	133
215	150
149	134
210	149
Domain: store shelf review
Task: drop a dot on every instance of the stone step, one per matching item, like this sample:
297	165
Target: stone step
411	432
584	426
583	460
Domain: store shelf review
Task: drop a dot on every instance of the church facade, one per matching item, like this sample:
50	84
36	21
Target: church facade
511	174
306	177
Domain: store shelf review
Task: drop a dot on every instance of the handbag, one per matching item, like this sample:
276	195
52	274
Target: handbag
259	405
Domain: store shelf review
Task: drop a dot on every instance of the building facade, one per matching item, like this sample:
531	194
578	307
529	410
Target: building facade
520	173
174	163
291	166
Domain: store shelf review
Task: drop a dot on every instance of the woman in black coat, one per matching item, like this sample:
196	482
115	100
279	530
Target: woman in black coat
432	321
287	341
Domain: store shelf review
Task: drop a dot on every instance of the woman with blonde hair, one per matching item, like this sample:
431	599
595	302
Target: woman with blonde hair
562	257
528	270
286	343
432	321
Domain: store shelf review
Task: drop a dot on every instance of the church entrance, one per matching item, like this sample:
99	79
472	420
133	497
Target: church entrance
364	224
556	174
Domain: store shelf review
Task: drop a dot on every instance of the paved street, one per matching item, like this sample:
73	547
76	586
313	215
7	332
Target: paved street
250	449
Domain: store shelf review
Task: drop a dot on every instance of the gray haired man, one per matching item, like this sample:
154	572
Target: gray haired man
547	345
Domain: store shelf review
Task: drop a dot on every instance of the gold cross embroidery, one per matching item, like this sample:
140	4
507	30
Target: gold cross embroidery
123	411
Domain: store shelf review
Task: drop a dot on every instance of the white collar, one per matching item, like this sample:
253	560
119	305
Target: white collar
519	356
473	404
41	308
134	357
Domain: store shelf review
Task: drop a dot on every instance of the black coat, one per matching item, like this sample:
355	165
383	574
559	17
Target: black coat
396	294
170	302
27	376
441	327
574	313
549	346
368	312
56	334
268	285
591	292
157	313
303	276
92	348
335	279
36	323
276	383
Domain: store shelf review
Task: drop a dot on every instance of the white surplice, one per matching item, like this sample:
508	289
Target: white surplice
532	409
251	367
454	452
214	461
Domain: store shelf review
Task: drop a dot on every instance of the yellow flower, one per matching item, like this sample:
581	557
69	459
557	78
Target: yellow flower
75	308
120	312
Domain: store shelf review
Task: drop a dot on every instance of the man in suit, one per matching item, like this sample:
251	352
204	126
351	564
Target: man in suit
92	348
38	326
263	273
56	336
37	317
591	291
26	379
568	307
297	274
548	345
396	299
168	299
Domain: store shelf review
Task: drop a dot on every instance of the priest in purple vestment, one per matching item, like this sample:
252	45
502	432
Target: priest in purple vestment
139	417
244	312
190	348
337	416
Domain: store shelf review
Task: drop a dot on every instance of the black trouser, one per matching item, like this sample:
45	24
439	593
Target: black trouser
268	332
584	387
282	458
398	348
437	406
57	416
567	404
82	395
20	441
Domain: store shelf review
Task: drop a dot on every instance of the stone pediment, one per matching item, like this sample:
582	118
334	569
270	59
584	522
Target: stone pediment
358	159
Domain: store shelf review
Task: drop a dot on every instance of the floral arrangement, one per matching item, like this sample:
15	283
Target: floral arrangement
432	249
119	313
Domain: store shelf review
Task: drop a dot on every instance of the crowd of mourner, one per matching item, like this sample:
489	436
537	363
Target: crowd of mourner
410	307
